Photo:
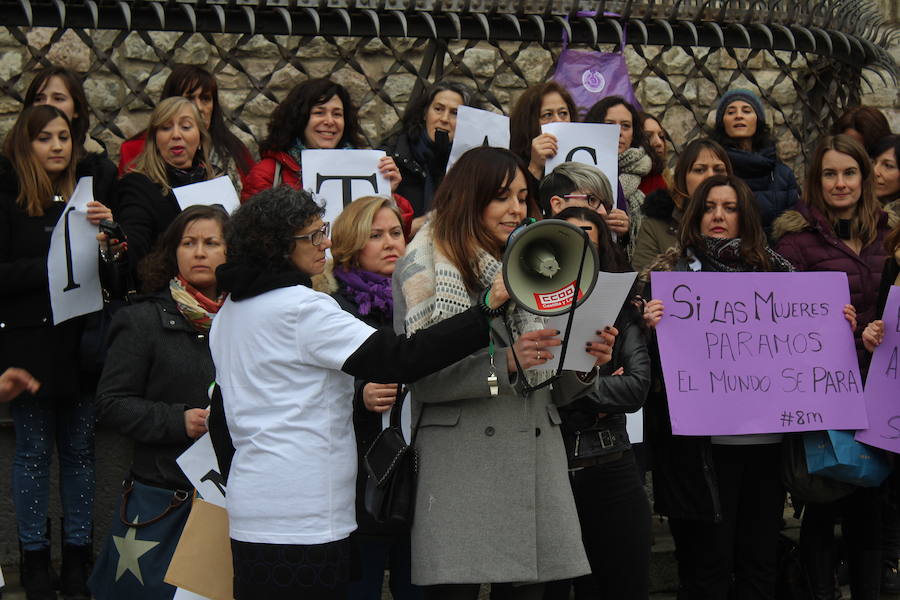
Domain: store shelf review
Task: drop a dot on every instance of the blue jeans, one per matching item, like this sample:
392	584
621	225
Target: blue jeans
40	422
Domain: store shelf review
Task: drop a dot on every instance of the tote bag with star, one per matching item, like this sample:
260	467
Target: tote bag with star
144	533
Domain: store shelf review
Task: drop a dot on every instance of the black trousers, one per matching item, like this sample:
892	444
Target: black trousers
469	591
735	559
861	526
288	572
615	528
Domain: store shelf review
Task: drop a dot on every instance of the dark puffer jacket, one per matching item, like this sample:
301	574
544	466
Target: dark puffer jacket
420	180
804	237
773	182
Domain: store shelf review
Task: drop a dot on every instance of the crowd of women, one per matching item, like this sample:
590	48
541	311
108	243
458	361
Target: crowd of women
534	489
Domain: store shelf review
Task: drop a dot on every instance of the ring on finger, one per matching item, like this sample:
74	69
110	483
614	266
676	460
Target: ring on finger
539	355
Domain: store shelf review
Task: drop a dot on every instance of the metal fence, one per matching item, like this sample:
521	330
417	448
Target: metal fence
807	60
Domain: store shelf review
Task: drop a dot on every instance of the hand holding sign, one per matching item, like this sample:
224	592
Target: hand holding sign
73	261
758	352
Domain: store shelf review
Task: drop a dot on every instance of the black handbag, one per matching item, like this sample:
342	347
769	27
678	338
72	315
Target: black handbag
393	467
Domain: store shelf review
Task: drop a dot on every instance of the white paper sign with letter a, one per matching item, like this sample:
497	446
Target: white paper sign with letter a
73	262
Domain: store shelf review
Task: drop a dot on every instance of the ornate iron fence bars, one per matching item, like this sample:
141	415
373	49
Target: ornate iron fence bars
807	59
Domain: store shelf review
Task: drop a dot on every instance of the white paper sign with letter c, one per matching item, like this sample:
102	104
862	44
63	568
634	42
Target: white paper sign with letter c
595	144
73	268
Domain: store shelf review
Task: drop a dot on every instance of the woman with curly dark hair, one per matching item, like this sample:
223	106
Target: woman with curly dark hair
286	357
316	114
154	385
225	150
865	124
742	130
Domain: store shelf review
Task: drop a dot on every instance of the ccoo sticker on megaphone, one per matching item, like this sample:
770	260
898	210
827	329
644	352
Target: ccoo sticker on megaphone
541	265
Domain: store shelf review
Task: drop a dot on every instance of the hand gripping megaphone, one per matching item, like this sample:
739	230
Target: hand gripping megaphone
543	264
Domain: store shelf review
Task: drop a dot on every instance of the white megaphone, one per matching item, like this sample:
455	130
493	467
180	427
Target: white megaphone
544	262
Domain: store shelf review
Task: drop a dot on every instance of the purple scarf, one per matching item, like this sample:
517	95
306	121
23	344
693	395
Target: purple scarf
370	291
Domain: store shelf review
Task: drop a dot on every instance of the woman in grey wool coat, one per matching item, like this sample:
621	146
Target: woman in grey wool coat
494	504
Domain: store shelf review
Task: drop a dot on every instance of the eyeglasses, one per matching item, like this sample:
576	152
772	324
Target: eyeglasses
316	237
592	201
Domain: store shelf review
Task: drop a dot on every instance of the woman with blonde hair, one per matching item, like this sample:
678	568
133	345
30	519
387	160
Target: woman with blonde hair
367	240
36	182
174	155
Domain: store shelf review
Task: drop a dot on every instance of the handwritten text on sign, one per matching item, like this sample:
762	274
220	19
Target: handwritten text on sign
883	383
758	353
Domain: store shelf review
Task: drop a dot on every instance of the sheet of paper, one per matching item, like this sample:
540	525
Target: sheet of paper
207	193
599	310
183	594
340	176
758	353
595	144
73	267
200	466
634	425
476	127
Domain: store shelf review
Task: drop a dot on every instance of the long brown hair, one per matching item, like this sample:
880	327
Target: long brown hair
81	123
753	238
686	160
868	209
36	188
161	265
469	186
525	118
150	162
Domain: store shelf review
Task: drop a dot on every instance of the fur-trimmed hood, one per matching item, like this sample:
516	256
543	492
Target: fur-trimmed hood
790	221
802	219
326	283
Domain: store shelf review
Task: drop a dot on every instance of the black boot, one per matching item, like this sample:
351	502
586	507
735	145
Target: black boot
35	575
77	562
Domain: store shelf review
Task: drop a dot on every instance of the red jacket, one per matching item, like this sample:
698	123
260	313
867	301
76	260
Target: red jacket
261	177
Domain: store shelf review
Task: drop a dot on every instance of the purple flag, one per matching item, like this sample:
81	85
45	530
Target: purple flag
883	383
758	353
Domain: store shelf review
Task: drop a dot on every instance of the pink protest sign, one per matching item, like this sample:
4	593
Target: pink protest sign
758	353
883	383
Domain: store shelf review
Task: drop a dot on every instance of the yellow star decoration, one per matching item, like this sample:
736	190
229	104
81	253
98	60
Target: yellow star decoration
130	550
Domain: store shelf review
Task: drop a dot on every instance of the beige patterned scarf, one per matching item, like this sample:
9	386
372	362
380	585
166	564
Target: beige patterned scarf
433	290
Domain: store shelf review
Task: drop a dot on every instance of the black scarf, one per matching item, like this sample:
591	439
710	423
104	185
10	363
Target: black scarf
724	256
193	174
433	158
246	281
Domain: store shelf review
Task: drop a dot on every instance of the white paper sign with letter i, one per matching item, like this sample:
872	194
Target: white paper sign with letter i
73	262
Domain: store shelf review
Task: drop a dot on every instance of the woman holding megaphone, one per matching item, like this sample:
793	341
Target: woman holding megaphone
493	502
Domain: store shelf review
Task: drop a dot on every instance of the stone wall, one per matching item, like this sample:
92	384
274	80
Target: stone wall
254	72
